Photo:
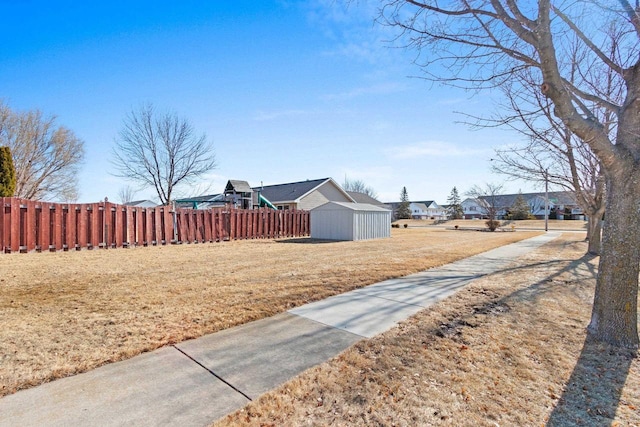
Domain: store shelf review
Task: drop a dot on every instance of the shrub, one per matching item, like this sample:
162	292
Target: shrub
492	224
406	225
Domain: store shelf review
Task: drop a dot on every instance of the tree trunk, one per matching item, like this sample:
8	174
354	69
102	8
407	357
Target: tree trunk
594	231
615	306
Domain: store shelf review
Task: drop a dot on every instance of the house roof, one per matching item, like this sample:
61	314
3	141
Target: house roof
237	186
427	203
555	198
350	206
364	198
419	205
293	191
142	204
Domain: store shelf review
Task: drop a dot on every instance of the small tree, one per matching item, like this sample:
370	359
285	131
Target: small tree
7	173
404	209
488	198
520	208
454	210
126	194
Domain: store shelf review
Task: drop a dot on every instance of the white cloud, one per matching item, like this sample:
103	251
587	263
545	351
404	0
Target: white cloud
274	115
376	89
435	149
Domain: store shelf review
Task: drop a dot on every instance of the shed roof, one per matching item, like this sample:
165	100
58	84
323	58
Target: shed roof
351	206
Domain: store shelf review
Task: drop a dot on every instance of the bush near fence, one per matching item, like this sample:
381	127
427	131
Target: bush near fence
28	225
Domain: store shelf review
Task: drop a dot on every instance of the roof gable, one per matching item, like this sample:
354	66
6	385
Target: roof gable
294	191
418	205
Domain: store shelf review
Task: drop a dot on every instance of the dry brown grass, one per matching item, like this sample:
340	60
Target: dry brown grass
535	224
65	313
507	350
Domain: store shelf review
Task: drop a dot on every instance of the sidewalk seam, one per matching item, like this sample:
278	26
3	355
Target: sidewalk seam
213	373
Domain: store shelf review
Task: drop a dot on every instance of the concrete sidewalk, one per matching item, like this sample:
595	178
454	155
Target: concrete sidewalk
196	382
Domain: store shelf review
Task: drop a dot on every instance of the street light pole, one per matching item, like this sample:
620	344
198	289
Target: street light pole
546	200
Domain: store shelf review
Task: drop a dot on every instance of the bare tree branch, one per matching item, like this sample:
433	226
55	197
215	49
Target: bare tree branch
161	151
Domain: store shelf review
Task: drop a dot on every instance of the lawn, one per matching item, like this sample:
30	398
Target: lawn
508	350
68	312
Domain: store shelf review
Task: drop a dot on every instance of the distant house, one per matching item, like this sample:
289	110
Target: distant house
202	202
142	204
427	210
418	210
473	209
421	210
304	194
562	205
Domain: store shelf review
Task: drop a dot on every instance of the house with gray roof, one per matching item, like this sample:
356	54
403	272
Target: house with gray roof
562	205
365	198
304	195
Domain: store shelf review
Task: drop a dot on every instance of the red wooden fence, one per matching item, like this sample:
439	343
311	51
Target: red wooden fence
27	225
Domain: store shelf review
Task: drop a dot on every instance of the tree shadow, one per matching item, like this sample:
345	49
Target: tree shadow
592	394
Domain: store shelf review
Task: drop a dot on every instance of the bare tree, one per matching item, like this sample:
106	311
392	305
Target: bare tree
359	186
126	194
488	199
552	154
481	44
46	156
161	151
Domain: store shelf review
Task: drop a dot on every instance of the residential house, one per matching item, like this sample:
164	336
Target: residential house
473	208
142	204
418	210
304	195
562	205
365	198
421	210
427	210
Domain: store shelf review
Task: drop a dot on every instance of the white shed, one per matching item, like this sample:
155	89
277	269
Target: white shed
350	221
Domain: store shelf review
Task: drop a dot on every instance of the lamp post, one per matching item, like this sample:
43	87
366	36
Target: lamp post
546	200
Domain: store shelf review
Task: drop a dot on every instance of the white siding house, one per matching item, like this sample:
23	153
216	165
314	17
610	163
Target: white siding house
427	210
350	221
472	209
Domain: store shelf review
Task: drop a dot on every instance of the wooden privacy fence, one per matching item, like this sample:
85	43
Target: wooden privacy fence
27	225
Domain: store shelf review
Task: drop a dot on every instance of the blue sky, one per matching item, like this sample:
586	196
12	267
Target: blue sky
285	90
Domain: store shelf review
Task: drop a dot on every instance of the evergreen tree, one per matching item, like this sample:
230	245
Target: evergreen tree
7	173
404	209
454	211
520	208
